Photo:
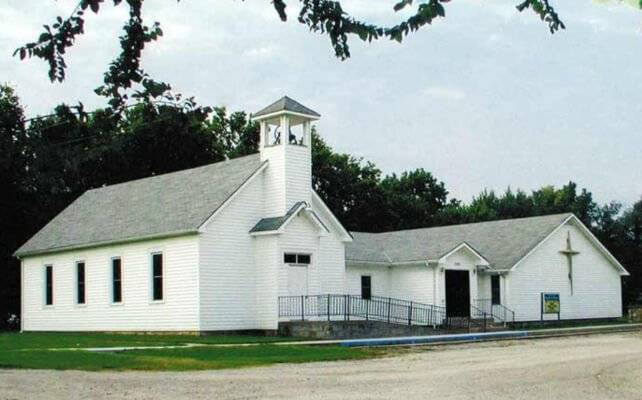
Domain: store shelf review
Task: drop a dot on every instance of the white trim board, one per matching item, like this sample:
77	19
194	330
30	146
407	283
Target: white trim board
346	236
464	245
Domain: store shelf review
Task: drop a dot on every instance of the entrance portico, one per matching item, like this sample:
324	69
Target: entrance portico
462	280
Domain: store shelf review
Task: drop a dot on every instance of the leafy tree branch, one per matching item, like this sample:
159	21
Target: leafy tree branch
326	17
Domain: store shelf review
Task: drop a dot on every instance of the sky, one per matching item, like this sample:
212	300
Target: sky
485	98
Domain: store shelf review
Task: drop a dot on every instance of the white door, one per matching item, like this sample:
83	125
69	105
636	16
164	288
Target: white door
297	280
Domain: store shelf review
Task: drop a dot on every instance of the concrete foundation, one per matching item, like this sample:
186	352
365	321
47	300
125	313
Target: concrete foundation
350	329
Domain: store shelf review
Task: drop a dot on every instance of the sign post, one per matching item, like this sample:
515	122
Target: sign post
550	304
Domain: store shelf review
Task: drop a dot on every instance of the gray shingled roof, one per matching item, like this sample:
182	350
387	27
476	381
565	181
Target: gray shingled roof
162	205
274	223
502	243
286	104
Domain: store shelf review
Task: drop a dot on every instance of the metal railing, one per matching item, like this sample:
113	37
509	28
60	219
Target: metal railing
346	307
499	312
479	317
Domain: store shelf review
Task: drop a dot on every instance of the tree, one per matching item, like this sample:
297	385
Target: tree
413	199
157	140
322	16
488	206
364	200
13	212
349	187
629	252
239	135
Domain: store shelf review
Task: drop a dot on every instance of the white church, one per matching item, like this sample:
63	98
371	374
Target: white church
245	244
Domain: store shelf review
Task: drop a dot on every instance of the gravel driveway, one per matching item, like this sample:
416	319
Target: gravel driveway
582	367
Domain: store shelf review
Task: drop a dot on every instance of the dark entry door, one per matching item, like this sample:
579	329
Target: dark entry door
457	294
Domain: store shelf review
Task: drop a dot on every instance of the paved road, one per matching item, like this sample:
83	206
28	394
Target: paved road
585	367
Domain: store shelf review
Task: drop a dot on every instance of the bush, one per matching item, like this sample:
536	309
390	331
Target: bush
11	322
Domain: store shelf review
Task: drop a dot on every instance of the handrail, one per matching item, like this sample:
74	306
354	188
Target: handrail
376	308
476	313
498	311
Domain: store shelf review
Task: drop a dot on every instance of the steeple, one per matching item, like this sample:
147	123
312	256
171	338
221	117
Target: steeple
285	115
286	141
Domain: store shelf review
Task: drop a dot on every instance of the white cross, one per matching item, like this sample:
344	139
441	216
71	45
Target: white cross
569	253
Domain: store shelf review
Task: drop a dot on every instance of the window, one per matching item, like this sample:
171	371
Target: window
294	258
366	287
116	280
494	290
157	276
80	282
49	285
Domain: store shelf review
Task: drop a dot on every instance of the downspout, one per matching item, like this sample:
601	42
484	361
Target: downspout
22	295
434	283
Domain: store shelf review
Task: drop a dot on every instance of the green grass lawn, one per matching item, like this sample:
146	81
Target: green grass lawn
34	350
36	340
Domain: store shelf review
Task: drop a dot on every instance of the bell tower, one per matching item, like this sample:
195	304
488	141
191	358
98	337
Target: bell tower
286	143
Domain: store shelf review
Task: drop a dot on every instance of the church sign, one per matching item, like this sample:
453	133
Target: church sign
551	304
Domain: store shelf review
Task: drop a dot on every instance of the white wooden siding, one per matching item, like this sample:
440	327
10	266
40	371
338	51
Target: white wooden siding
597	283
177	312
288	178
300	236
273	195
380	279
228	271
298	173
332	265
412	283
483	286
267	259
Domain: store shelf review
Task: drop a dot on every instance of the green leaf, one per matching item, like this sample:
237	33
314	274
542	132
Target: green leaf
403	3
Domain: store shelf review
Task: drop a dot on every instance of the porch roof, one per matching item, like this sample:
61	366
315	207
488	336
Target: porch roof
274	223
503	243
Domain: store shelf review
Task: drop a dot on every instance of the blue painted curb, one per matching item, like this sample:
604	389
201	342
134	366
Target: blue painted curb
462	337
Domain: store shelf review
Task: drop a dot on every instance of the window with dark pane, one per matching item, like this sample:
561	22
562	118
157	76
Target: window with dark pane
80	281
494	289
157	276
49	285
296	258
117	280
366	287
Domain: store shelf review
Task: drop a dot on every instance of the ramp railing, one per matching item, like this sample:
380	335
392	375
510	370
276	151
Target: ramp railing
375	308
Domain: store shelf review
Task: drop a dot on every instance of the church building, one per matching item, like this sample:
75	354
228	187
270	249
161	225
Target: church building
247	243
